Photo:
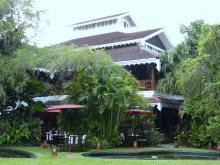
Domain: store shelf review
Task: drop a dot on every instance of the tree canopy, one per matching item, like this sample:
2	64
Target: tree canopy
196	76
17	16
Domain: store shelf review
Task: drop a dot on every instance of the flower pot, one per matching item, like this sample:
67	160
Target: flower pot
45	145
209	145
135	144
98	147
176	144
218	148
54	151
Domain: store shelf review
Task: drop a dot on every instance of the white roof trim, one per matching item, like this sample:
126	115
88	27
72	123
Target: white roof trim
163	36
141	61
168	38
99	20
160	105
166	105
153	34
116	43
149	94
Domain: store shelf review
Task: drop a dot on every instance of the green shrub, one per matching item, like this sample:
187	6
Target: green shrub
154	137
16	130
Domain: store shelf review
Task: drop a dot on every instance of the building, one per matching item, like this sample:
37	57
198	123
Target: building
136	51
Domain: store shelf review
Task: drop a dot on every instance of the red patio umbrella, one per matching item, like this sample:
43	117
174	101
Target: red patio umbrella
58	108
137	111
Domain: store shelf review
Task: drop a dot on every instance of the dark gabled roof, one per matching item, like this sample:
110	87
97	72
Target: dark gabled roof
111	16
110	38
129	53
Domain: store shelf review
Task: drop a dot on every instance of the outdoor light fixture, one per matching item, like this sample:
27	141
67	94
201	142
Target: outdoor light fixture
135	145
209	145
45	145
54	151
98	147
218	148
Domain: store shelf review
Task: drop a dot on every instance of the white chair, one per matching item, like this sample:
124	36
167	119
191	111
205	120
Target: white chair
73	139
49	136
122	135
73	142
84	138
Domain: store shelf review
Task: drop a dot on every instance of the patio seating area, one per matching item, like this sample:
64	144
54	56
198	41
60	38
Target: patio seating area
65	142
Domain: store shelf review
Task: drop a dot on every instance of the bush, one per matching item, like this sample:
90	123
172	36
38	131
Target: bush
105	143
154	137
17	130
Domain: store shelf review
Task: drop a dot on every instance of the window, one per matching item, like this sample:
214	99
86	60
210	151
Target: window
114	21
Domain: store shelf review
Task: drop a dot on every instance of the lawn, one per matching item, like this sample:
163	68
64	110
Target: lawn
44	158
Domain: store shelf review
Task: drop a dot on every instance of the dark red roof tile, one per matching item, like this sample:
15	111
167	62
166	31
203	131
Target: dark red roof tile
129	53
109	38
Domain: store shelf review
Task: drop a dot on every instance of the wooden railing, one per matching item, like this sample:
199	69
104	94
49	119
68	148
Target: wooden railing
146	84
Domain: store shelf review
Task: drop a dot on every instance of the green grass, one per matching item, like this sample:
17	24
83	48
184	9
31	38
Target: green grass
44	157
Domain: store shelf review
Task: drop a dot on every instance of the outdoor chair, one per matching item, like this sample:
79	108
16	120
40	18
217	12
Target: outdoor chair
49	137
73	142
83	144
84	139
123	139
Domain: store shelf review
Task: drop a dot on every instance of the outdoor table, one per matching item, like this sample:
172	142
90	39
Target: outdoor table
58	139
135	138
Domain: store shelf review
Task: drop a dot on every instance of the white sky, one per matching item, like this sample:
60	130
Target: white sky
169	14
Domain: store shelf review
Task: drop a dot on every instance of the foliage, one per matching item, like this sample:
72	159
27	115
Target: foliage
196	76
172	59
106	92
16	17
213	128
154	137
15	129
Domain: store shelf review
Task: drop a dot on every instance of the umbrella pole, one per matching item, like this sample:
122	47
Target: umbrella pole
135	132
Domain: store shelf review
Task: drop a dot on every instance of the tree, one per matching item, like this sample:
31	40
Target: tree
106	92
196	76
16	17
172	59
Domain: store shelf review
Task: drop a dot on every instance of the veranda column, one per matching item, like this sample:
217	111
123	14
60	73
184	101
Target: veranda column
153	77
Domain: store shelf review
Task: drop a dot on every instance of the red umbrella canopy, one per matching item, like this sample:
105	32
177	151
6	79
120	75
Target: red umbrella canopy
58	108
137	111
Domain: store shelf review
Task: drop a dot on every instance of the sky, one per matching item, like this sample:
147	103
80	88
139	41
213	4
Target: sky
148	14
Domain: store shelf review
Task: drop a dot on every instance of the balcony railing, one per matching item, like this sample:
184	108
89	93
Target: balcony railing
146	84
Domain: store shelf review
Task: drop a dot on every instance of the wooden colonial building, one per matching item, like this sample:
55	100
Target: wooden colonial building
136	51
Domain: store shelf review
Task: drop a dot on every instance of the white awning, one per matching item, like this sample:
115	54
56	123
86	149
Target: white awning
51	98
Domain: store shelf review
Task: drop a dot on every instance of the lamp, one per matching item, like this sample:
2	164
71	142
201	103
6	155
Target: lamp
45	145
54	151
98	147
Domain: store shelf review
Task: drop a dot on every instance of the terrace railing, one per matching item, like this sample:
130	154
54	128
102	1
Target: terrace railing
146	84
